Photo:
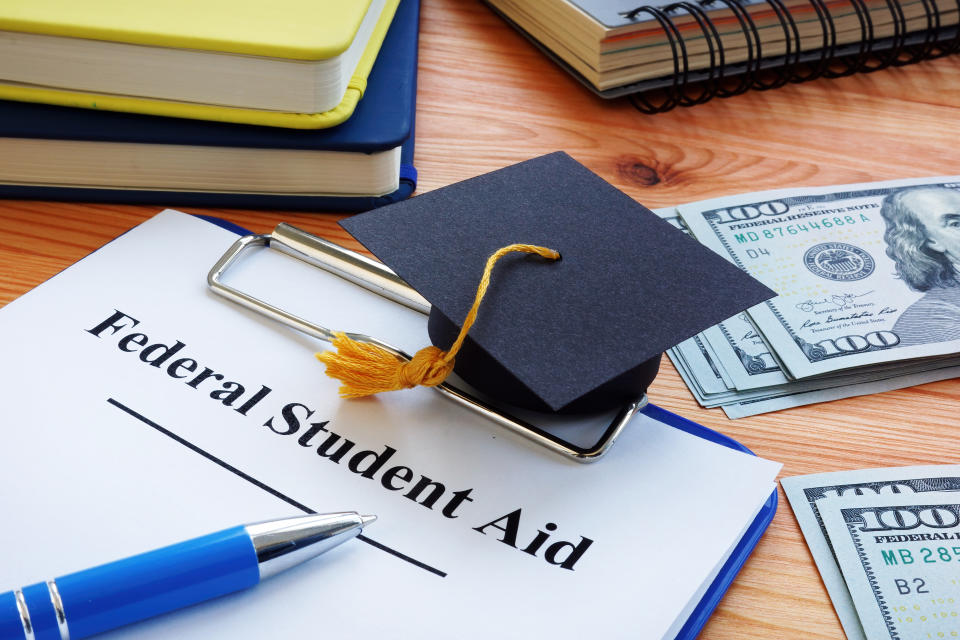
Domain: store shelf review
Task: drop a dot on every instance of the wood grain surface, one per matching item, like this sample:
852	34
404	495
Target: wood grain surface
487	98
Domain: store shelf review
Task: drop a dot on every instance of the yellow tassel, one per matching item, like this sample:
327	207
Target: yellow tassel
366	369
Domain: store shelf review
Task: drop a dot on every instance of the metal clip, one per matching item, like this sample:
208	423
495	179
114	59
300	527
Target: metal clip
379	279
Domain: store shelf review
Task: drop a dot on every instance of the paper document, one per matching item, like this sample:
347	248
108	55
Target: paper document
141	410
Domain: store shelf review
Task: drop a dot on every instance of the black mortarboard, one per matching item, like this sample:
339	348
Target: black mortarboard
582	333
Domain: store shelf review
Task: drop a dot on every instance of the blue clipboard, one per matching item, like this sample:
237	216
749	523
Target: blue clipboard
714	593
744	548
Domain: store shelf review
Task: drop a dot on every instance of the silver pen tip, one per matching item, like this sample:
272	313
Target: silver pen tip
365	520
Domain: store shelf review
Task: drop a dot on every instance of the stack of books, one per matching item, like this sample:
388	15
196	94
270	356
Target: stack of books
293	104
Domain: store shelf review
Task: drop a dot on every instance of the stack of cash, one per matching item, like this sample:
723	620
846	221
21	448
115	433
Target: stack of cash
887	544
868	284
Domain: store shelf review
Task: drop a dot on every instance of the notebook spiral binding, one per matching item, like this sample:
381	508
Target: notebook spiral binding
722	79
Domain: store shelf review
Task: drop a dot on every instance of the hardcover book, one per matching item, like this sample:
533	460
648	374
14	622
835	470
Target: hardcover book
289	63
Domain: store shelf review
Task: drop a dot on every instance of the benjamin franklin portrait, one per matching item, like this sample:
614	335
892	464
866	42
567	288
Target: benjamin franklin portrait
923	239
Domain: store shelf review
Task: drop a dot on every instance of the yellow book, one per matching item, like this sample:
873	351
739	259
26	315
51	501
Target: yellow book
287	63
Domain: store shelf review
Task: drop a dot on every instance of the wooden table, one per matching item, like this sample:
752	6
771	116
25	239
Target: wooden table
487	99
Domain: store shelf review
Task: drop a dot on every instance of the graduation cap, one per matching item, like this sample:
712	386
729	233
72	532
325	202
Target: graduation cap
581	333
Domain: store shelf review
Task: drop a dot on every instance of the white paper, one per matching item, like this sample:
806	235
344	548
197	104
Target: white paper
86	482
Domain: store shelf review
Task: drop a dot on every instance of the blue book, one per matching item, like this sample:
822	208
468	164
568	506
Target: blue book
60	153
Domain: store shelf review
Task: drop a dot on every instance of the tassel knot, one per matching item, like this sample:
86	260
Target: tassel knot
427	368
366	369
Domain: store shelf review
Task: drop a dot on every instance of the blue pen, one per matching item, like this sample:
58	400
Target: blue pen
109	596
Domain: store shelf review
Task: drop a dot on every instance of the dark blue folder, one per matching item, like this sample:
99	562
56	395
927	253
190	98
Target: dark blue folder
384	119
714	593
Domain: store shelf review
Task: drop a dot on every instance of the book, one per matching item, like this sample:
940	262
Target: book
665	54
177	412
62	153
287	63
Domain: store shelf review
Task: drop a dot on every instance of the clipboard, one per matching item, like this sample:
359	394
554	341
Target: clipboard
395	289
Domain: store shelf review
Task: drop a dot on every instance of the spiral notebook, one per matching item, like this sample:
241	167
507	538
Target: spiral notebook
666	54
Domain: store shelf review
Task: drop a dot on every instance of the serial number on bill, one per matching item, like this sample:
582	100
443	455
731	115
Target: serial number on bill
925	555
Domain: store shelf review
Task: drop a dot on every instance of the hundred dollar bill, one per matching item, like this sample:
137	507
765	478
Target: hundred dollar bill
808	494
733	349
900	558
796	395
865	273
707	379
697	364
743	354
734	352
